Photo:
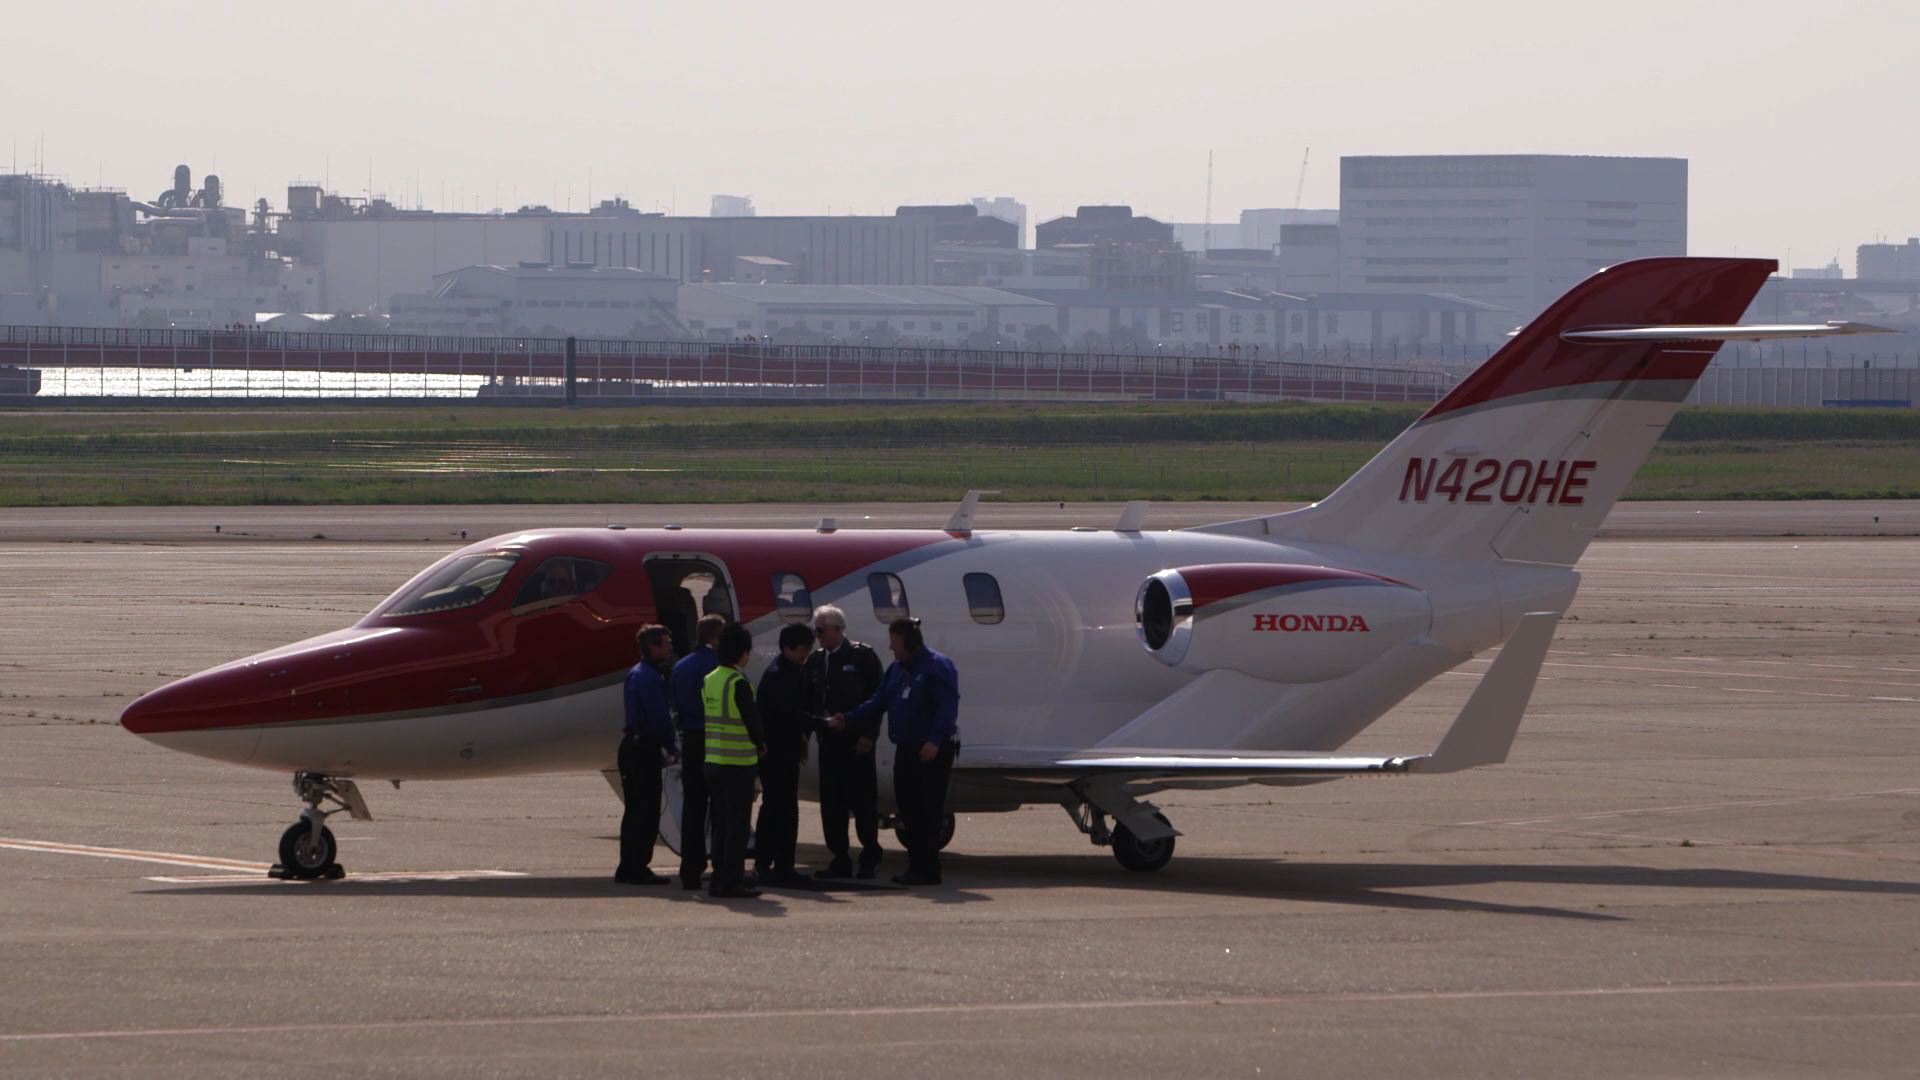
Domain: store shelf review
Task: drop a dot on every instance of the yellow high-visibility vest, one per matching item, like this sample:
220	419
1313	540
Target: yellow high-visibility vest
728	742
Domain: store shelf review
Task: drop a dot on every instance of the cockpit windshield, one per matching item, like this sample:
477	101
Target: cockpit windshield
462	581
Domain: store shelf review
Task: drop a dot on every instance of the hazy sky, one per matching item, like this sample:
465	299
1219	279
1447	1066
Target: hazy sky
1796	114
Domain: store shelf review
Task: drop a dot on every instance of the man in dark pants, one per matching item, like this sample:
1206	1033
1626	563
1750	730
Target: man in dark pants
921	697
734	745
689	677
646	747
845	674
786	703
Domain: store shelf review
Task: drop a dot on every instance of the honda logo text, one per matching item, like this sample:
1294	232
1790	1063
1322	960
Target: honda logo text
1326	624
1521	480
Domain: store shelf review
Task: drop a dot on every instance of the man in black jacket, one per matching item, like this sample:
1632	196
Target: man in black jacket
845	674
786	703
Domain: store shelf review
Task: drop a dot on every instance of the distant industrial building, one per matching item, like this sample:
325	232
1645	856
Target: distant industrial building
1259	229
1149	318
965	224
874	315
369	255
1006	209
732	206
1272	322
539	300
1102	225
77	256
1888	262
1511	230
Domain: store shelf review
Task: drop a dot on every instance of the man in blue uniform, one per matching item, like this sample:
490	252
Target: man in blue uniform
689	679
921	697
646	747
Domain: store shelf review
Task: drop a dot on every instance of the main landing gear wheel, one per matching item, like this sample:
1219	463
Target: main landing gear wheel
1141	855
305	856
946	832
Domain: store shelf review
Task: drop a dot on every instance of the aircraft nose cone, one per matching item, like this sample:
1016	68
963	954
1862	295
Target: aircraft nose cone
194	703
193	715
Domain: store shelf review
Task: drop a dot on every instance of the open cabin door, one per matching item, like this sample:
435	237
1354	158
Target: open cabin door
685	587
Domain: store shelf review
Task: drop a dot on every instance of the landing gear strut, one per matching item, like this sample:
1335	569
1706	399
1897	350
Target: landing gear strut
307	848
1141	836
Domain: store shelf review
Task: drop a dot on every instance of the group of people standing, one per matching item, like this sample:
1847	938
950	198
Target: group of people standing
824	694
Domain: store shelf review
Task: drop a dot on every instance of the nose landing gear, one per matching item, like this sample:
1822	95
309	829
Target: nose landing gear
307	848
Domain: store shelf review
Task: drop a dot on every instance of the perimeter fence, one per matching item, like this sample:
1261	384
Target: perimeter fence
80	362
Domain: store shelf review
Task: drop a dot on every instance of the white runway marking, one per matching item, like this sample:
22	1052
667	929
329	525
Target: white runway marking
1701	808
381	875
1387	997
168	858
1724	674
237	870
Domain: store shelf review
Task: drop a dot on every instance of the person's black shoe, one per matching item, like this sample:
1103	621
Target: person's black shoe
914	879
867	873
790	877
840	867
738	892
648	878
690	884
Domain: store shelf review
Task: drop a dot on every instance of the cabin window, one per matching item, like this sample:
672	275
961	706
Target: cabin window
983	599
889	597
562	578
459	582
791	600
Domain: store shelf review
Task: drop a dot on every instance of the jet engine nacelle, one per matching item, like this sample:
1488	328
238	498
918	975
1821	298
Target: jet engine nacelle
1279	622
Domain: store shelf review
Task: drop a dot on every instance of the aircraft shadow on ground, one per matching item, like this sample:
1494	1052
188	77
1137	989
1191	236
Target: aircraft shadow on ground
972	879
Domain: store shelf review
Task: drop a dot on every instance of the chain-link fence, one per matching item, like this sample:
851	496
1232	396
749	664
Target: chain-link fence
108	363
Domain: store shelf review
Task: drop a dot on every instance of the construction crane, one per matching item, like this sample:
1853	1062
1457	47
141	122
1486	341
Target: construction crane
1300	188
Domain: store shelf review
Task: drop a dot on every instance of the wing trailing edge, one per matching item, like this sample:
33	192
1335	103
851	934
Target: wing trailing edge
1482	734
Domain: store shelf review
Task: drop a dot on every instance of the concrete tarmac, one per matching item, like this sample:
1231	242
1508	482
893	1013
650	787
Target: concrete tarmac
1704	860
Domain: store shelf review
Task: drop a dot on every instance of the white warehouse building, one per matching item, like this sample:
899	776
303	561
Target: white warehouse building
943	315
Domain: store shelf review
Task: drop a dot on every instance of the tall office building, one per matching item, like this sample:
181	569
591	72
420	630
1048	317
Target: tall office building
1515	230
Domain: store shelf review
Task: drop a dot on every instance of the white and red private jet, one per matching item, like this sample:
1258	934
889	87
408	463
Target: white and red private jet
1098	667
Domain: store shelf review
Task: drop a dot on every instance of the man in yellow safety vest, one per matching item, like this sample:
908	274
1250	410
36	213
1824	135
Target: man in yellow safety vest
735	742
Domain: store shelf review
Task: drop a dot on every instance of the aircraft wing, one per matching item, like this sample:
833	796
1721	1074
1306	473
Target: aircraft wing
1481	735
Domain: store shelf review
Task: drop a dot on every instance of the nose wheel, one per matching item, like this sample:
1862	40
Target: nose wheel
307	854
308	848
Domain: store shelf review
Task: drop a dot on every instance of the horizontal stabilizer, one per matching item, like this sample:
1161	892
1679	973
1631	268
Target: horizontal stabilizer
1645	335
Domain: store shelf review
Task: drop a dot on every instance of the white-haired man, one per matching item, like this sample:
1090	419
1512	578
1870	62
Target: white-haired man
845	674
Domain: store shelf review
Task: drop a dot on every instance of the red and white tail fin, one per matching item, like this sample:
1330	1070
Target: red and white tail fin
1524	458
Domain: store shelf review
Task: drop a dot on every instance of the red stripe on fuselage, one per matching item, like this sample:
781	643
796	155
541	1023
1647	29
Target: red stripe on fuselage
487	652
1217	582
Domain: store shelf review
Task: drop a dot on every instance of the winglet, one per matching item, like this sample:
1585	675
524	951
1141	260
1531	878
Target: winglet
1133	516
1485	728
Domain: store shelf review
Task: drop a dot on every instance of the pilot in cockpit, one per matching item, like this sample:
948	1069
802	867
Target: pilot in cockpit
557	580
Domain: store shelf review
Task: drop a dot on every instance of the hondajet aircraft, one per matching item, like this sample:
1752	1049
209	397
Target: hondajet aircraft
1098	667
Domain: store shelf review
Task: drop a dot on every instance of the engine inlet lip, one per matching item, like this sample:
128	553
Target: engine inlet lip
1163	614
